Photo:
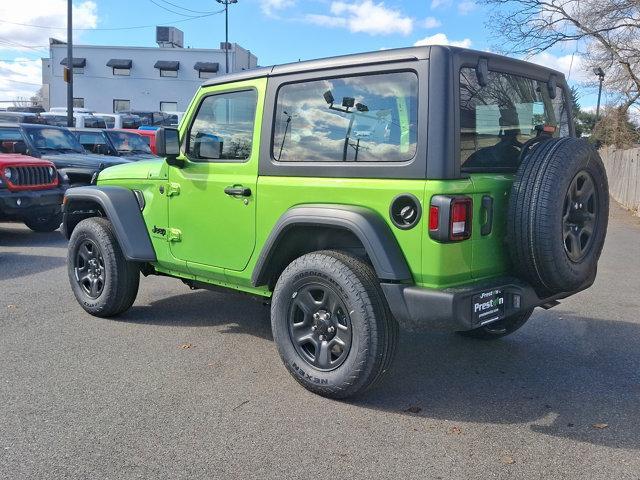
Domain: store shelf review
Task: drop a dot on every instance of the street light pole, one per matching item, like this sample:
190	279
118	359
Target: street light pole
226	31
600	73
69	66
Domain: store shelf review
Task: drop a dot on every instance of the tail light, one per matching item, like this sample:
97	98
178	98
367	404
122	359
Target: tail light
450	218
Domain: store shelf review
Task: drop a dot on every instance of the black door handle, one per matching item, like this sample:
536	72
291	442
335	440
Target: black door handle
238	191
487	206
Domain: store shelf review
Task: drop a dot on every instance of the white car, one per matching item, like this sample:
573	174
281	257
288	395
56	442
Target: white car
80	119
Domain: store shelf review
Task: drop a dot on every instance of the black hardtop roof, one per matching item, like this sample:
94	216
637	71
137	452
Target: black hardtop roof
368	58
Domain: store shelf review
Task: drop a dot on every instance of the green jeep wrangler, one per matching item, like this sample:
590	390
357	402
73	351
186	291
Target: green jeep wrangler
427	188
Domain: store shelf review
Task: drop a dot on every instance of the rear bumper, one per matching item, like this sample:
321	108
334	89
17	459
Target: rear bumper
29	203
451	309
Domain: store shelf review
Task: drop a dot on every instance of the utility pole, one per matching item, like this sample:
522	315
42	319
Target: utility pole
598	71
226	31
69	67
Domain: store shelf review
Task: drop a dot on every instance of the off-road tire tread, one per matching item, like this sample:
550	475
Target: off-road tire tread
125	277
382	332
532	246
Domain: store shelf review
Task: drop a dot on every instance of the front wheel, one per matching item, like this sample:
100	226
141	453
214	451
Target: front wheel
103	281
331	324
501	328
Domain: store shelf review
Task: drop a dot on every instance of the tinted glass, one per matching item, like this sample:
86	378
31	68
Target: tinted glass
497	119
54	139
109	121
94	142
129	142
94	122
56	120
371	118
10	138
223	127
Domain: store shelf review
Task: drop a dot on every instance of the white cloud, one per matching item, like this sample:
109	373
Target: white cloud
466	7
439	3
442	39
19	79
49	13
272	7
364	16
572	66
22	77
431	22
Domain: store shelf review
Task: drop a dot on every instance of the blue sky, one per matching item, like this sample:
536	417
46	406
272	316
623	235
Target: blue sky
277	31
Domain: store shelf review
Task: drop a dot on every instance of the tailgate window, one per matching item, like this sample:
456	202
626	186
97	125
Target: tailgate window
498	118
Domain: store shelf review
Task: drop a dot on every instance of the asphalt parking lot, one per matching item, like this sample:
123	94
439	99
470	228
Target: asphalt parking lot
189	385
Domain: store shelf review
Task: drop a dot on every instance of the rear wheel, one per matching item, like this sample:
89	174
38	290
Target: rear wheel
44	223
103	281
499	329
331	324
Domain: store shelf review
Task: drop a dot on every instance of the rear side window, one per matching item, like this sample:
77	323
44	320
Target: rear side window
223	127
497	119
366	118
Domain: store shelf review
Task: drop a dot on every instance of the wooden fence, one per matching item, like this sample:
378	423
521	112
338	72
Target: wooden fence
623	170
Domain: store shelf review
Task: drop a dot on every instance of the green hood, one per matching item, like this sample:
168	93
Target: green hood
135	170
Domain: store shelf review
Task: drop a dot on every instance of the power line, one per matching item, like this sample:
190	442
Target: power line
171	11
171	22
185	8
24	83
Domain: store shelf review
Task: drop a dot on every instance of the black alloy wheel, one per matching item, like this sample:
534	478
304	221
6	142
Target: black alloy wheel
579	216
89	269
319	326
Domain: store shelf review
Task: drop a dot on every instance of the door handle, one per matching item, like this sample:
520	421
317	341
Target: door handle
487	206
238	191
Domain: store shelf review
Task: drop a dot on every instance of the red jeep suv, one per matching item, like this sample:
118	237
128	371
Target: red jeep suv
31	191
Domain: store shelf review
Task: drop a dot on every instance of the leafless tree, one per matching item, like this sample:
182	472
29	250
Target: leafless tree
607	33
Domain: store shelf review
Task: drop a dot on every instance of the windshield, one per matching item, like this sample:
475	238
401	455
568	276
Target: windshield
54	139
126	142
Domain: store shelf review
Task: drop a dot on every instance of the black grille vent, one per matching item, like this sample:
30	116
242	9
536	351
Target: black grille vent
29	176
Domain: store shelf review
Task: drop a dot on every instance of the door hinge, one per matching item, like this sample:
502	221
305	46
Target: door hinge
173	189
174	235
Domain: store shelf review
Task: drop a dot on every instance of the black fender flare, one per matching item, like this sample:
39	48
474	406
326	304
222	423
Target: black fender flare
120	206
368	226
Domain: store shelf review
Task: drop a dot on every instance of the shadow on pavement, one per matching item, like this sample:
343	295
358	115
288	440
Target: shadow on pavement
15	265
17	235
561	375
238	313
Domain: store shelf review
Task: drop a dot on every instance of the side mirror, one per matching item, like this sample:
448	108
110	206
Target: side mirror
208	146
168	145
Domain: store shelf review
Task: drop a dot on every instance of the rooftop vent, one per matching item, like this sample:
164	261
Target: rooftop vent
169	37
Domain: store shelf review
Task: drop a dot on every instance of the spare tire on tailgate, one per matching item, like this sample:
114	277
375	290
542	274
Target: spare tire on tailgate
558	214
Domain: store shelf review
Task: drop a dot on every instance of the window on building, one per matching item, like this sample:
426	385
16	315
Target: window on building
367	118
203	74
223	127
78	102
122	71
497	119
78	70
168	106
168	73
120	105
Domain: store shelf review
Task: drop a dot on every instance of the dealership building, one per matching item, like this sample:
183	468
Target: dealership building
114	78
